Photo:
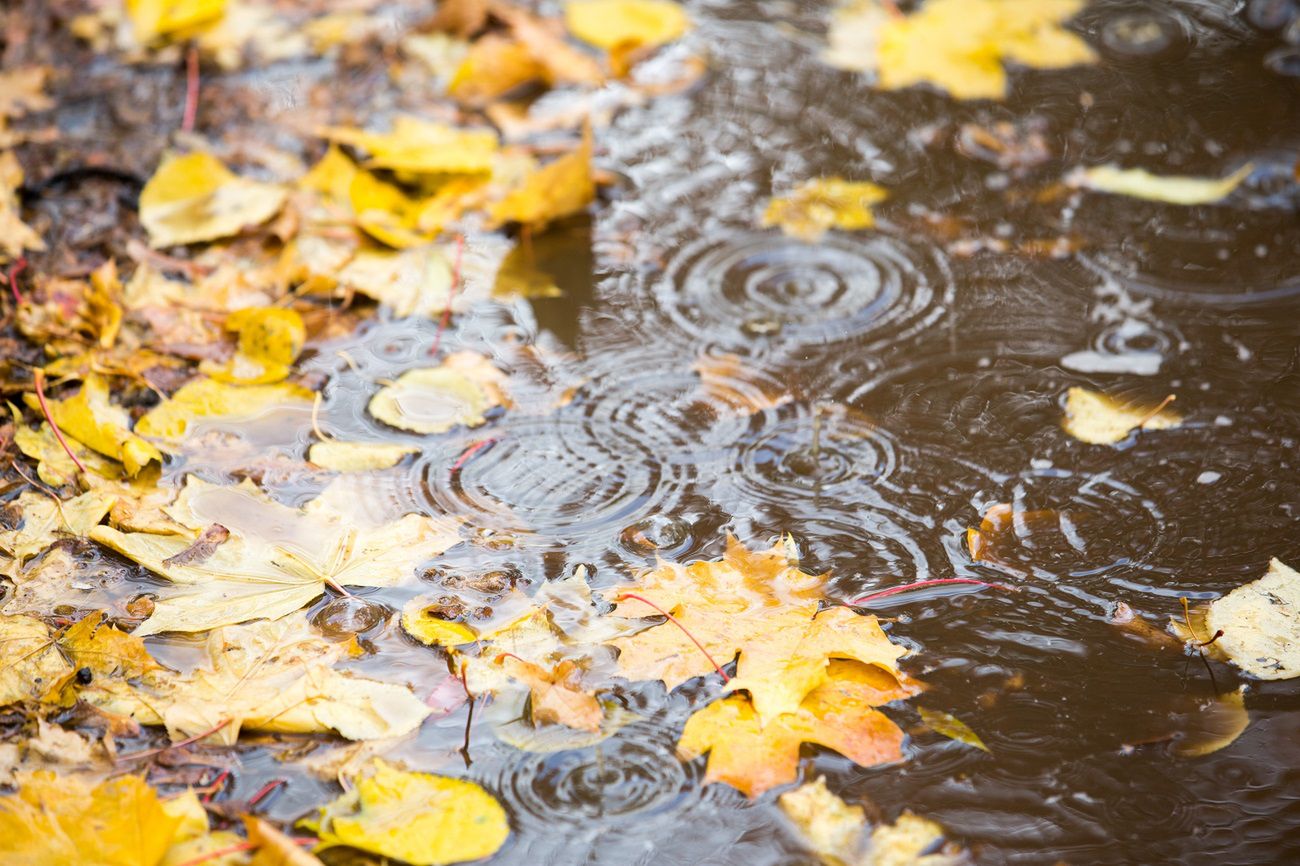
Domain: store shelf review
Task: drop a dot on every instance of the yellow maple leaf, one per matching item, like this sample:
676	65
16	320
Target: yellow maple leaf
562	187
153	20
817	205
959	46
268	676
557	696
755	605
270	339
435	399
418	818
208	398
276	560
1101	420
195	198
54	821
753	754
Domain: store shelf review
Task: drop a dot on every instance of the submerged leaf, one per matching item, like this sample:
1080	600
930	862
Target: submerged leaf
817	205
417	818
1172	189
358	456
951	727
1214	725
435	399
195	198
1100	420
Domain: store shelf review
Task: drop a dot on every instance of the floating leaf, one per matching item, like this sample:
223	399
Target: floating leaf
195	198
266	676
417	818
1172	189
1214	725
207	398
817	205
1101	420
951	727
358	456
1261	624
958	46
435	399
556	695
421	620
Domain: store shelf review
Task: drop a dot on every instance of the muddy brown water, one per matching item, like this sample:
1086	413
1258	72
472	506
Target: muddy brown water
931	382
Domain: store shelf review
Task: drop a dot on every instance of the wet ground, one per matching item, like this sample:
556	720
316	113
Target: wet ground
918	373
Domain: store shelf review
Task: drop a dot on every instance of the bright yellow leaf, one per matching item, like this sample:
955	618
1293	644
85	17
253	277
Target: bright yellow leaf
195	198
164	19
94	421
270	339
560	188
1101	420
612	24
417	818
494	66
358	456
435	399
423	147
825	203
1172	189
207	398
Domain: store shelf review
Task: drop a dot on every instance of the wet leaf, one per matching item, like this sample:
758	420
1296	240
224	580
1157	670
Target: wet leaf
45	521
15	235
558	189
423	147
959	46
493	66
195	198
266	676
557	696
435	399
277	558
91	419
54	466
207	398
951	727
623	24
417	818
358	456
31	661
1171	189
413	282
421	620
1102	420
94	643
1214	725
54	821
171	19
755	755
755	605
22	90
816	206
1261	624
269	342
275	848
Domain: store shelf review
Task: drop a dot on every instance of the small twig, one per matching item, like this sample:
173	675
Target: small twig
265	791
19	265
673	620
45	409
920	584
215	787
191	89
451	295
185	742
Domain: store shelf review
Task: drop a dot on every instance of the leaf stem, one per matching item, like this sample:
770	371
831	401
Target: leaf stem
45	410
685	631
1156	411
191	89
921	584
265	791
15	269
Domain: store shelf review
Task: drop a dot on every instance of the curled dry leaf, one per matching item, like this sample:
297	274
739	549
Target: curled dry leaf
435	399
1101	420
958	46
815	206
195	198
1171	189
418	818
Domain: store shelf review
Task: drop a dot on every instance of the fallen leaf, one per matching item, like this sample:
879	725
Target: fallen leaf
269	342
1213	725
958	46
15	235
358	456
623	24
460	18
91	419
421	620
726	378
45	520
277	558
32	662
556	695
92	642
834	830
417	818
754	605
562	187
561	63
753	755
435	399
275	848
53	821
154	20
423	147
195	198
413	282
54	466
267	676
951	727
1101	420
208	398
22	90
494	65
1171	189
1261	624
817	205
